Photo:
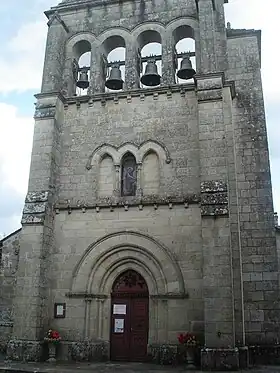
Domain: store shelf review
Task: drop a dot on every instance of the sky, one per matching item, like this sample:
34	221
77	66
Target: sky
22	40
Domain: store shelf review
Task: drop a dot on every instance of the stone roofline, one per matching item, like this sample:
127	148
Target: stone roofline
74	4
243	33
9	236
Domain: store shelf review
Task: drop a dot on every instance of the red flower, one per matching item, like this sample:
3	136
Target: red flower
187	338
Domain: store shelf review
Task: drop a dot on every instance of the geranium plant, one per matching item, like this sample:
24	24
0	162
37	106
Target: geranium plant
187	339
52	336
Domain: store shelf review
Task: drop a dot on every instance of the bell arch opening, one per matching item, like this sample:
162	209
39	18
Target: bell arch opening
81	68
184	41
150	45
114	54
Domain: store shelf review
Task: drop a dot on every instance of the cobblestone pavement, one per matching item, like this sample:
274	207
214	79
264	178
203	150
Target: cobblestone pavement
109	368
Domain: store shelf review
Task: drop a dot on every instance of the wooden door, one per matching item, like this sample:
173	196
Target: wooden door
130	318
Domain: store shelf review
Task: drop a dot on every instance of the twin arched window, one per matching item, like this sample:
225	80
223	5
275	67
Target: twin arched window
130	178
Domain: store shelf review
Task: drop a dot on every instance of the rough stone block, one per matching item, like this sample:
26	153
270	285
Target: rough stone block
220	359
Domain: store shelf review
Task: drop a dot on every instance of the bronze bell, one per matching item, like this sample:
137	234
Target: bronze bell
83	82
115	81
186	71
151	77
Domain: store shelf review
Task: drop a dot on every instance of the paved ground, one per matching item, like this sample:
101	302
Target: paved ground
108	368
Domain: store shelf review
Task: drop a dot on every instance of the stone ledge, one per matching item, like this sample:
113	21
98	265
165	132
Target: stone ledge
220	359
264	355
112	202
20	350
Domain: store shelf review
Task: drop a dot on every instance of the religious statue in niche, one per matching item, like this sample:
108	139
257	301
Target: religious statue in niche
129	175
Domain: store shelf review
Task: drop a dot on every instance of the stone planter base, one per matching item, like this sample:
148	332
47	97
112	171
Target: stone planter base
52	352
264	355
220	359
18	350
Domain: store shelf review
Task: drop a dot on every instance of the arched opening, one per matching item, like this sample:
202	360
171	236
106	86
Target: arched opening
128	175
81	66
129	317
114	61
184	43
150	46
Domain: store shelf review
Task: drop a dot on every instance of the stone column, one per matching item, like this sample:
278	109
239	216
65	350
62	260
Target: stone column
54	55
217	249
117	188
139	188
87	317
32	300
97	72
131	66
168	70
208	62
220	36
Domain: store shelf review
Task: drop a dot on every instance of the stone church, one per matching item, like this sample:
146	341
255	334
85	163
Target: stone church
149	209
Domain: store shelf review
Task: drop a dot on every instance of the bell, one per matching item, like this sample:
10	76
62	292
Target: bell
151	77
186	71
115	81
83	82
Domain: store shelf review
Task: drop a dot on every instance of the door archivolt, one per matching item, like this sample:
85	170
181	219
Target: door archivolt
104	259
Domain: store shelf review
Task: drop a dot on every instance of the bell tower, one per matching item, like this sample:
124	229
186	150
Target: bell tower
150	157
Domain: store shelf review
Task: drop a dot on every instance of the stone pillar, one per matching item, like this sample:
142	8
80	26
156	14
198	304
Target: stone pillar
220	36
32	301
132	61
97	72
217	250
54	55
208	58
260	272
168	70
87	317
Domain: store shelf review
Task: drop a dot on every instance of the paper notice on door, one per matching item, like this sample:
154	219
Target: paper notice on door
119	326
119	309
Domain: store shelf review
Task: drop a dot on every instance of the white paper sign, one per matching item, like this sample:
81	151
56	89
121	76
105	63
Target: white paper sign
119	309
59	310
119	326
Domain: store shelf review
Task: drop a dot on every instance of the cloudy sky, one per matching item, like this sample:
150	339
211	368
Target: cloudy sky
21	59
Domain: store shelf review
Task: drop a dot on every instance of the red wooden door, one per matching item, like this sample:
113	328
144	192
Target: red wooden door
130	318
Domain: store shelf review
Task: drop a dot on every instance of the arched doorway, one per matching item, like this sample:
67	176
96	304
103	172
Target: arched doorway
129	317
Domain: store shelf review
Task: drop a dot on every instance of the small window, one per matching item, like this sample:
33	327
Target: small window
129	175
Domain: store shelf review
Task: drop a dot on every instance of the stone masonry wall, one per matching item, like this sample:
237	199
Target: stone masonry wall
9	248
255	207
169	120
177	228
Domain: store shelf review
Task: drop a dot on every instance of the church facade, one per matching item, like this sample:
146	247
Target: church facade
149	209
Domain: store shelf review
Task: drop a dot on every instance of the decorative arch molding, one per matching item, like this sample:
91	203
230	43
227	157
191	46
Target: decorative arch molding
78	37
182	21
114	32
148	26
138	151
129	264
110	255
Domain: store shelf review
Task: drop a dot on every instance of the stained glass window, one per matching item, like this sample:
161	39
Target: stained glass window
129	175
